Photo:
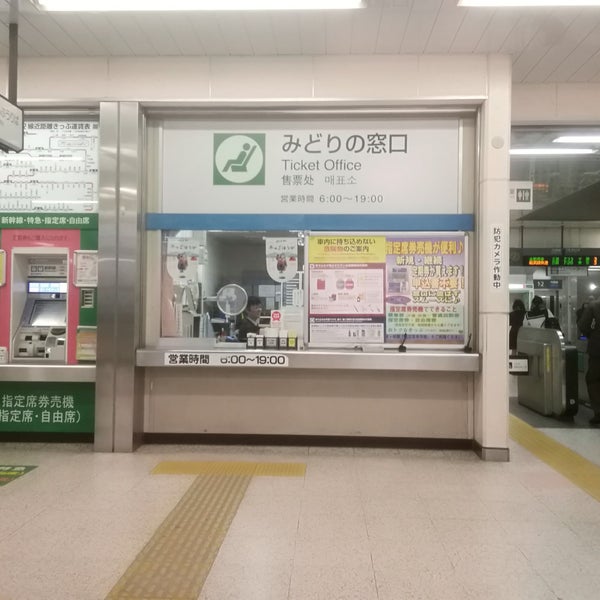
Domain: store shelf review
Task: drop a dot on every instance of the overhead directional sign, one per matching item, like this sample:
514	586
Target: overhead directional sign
11	126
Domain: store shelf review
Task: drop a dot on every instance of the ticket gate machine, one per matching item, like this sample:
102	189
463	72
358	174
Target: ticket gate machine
550	385
39	310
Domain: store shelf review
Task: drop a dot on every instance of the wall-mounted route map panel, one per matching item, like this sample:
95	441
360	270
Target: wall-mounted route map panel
57	171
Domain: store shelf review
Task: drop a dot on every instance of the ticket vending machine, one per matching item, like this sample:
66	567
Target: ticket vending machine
39	306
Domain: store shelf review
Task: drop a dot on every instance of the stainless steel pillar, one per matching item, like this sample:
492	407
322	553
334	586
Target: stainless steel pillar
119	385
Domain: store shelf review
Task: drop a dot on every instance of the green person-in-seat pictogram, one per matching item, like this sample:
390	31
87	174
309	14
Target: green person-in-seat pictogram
240	163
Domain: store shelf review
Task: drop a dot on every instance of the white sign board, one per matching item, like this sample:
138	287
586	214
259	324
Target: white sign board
497	257
57	171
319	167
11	126
520	195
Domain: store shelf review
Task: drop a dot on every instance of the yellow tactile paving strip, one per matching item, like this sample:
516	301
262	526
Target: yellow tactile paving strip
175	563
230	468
580	471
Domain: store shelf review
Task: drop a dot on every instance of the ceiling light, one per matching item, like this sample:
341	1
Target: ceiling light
551	151
577	139
527	3
191	5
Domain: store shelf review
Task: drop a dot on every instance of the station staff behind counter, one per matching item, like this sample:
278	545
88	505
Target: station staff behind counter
250	318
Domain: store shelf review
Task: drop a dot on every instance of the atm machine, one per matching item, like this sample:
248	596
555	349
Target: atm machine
39	308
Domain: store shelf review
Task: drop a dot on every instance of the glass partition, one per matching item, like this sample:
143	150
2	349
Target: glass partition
327	289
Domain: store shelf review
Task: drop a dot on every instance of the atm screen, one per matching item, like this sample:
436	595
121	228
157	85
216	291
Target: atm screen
49	313
47	287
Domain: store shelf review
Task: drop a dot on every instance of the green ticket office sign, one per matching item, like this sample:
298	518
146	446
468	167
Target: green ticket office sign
47	407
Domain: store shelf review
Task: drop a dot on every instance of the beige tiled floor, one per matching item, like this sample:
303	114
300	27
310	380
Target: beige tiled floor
362	524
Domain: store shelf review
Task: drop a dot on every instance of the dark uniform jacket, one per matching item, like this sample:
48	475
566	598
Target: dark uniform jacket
589	325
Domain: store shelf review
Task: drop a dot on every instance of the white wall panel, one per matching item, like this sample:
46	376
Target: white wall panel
389	77
261	77
77	79
578	102
358	403
366	77
187	78
533	103
565	103
438	77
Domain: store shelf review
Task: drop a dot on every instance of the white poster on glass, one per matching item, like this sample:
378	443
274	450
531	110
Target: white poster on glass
282	258
85	271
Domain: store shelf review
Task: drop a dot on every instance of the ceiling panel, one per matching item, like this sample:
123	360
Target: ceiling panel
550	33
260	31
391	30
286	31
588	71
338	33
365	29
158	30
80	33
209	33
545	45
313	33
38	42
51	30
109	38
421	20
587	47
473	28
445	28
497	31
520	35
235	36
183	33
578	30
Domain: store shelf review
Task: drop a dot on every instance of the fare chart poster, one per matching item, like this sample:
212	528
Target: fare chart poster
377	289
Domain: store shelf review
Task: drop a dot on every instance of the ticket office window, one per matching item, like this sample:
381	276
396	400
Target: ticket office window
333	289
208	276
